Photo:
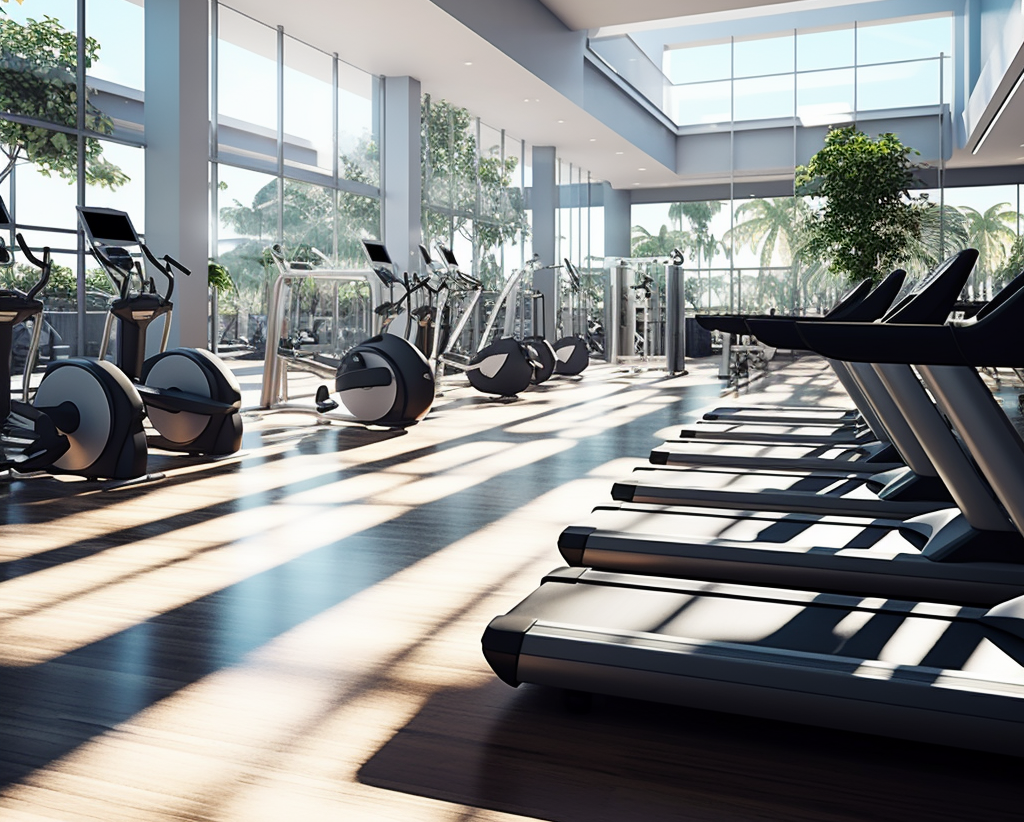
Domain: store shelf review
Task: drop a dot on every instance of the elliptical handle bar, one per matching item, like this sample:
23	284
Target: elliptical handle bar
166	268
45	265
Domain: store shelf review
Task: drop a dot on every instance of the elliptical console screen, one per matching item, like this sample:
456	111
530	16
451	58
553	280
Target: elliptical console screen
108	226
377	252
449	258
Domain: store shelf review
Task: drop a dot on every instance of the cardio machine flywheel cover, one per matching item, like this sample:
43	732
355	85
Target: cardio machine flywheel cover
177	369
75	382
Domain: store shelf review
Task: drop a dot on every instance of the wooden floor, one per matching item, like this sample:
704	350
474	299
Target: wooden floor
293	634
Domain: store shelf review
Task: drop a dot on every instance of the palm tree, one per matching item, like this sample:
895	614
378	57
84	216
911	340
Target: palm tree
941	225
700	240
992	233
771	227
645	244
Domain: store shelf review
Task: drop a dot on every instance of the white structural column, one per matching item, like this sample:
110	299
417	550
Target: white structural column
543	202
177	154
402	184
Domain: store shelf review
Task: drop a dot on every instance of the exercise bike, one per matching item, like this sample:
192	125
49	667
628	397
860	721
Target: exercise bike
384	380
191	398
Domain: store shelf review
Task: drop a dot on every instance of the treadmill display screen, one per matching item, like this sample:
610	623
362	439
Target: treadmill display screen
377	252
108	226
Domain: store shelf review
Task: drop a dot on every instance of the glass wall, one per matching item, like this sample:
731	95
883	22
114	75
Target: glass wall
473	199
746	258
296	160
45	155
816	75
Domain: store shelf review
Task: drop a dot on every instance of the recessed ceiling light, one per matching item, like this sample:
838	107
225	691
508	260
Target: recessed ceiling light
641	169
536	99
593	139
619	152
526	99
468	63
561	121
636	184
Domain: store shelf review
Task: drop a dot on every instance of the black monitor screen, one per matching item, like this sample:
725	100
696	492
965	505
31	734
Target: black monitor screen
377	252
448	256
108	226
5	215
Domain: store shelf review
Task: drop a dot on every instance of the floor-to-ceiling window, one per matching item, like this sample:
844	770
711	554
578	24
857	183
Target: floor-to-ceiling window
61	148
295	160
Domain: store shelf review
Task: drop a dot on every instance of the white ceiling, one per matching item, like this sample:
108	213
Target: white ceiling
416	38
581	15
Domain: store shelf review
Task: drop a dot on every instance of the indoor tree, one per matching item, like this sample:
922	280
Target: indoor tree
866	222
38	79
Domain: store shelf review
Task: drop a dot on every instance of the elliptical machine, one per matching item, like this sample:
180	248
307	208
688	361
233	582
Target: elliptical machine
537	344
571	354
384	380
504	367
191	398
86	418
29	440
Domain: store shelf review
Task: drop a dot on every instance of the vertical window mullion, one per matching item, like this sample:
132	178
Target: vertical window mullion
280	133
80	171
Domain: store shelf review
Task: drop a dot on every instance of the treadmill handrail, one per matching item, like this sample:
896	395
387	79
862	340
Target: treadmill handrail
988	340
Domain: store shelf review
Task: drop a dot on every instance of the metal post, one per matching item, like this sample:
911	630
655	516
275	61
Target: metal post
675	321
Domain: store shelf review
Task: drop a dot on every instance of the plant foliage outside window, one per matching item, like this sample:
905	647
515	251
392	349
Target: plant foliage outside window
38	68
867	222
465	190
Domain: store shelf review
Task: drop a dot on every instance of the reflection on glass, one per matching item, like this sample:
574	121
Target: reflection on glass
695	64
703	103
768	55
246	84
764	97
358	217
116	24
825	97
248	211
358	140
824	49
898	86
908	40
308	108
308	218
47	196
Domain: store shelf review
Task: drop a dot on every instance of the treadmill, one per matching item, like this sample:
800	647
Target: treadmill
911	309
905	492
973	554
860	304
930	672
930	302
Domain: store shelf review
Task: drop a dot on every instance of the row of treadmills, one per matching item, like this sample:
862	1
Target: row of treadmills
859	569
